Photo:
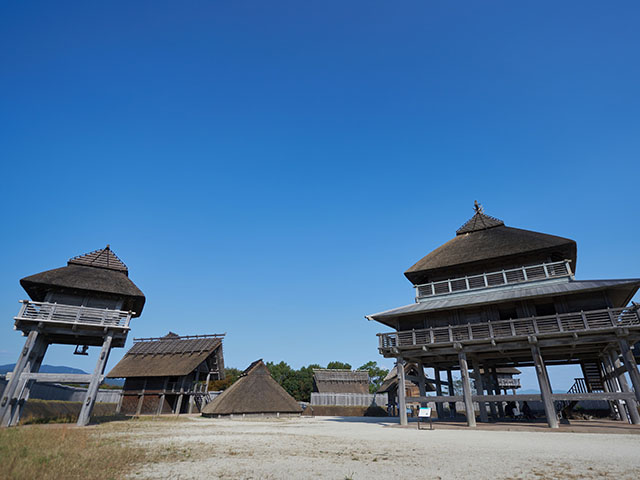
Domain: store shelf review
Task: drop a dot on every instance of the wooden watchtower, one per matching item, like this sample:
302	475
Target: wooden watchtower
502	297
90	302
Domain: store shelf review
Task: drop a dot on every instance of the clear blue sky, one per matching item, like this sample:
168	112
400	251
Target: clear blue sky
270	169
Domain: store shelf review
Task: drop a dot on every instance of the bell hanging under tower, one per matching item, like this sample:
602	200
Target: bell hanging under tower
88	303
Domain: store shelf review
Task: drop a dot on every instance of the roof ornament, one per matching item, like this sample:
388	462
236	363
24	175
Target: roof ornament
477	207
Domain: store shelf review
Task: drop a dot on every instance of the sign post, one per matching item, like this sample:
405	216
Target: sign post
424	413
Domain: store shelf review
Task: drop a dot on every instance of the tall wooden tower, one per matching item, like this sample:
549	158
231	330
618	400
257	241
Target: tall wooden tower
501	297
90	302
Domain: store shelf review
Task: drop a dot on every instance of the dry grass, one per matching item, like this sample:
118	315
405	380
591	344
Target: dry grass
61	451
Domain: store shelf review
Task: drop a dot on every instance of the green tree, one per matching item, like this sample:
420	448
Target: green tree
376	375
230	376
338	366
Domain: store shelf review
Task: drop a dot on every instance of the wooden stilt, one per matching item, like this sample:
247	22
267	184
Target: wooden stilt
422	382
611	385
488	385
545	386
452	405
24	387
402	403
179	402
479	389
632	405
192	395
92	389
439	406
162	396
466	389
631	366
8	398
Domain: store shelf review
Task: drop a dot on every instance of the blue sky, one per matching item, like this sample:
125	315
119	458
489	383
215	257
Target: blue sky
270	169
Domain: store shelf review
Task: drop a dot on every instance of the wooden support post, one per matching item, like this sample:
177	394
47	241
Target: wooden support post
496	391
466	389
92	389
452	405
179	402
489	388
439	406
8	400
631	366
192	396
612	385
422	382
24	387
545	386
162	396
632	405
479	389
402	404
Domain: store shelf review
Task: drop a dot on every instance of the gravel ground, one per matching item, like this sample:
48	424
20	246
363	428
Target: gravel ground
363	448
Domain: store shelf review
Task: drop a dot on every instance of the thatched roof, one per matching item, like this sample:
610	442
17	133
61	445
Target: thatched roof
340	381
99	272
390	382
168	356
484	241
254	392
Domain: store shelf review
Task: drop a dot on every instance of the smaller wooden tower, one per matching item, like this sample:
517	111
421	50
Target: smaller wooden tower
90	302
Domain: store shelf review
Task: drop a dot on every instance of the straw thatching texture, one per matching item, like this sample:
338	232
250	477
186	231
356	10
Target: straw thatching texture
340	381
81	276
490	246
390	382
254	392
167	357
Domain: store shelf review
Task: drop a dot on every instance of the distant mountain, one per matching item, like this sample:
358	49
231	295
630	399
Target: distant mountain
43	369
529	391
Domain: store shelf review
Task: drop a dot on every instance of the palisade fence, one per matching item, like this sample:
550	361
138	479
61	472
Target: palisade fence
350	399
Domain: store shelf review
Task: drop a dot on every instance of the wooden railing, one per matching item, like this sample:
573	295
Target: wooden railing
495	279
72	314
519	327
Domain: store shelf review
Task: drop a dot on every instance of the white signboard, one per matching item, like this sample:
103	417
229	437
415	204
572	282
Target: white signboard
425	412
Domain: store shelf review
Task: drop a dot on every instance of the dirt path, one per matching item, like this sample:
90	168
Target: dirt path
350	448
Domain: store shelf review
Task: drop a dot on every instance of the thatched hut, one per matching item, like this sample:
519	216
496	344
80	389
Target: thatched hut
327	380
169	374
254	393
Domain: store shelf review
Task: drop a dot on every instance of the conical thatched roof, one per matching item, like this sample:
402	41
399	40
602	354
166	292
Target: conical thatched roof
254	392
484	243
99	272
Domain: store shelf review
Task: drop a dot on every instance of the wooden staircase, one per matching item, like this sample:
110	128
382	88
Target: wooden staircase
592	376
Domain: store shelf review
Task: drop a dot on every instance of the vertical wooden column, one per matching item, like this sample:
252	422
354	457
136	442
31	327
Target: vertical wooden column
179	402
439	406
192	396
163	395
422	382
452	405
24	387
8	399
613	385
632	405
479	390
466	389
402	403
545	386
631	366
96	380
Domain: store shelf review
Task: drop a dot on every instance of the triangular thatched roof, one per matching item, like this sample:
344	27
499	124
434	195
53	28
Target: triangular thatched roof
254	392
484	242
99	272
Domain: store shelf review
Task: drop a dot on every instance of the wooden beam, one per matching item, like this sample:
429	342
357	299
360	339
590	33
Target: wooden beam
632	405
466	389
438	381
480	390
402	404
631	365
59	377
450	386
545	387
92	389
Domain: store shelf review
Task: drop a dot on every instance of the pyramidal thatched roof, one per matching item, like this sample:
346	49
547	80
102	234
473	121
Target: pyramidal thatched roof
254	392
